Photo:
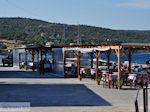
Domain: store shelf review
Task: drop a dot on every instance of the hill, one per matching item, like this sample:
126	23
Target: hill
39	32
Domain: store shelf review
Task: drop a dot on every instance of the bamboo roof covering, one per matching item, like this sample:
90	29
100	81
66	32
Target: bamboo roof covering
133	46
113	46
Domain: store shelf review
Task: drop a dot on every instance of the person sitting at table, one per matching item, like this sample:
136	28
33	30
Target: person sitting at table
140	68
135	69
93	73
132	78
73	69
114	66
116	69
82	72
112	79
41	67
125	75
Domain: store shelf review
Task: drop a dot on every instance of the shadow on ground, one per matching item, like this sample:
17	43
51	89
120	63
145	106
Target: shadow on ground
25	74
51	95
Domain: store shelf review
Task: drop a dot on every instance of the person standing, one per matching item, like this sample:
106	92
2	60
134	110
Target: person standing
41	68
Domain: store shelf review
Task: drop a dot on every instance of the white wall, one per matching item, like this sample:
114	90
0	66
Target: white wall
58	61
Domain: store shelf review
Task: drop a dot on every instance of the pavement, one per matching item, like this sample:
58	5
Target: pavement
49	93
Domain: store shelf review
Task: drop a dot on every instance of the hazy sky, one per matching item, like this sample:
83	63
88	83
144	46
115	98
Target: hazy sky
115	14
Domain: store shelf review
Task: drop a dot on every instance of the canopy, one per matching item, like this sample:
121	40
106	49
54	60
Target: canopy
86	50
71	49
102	49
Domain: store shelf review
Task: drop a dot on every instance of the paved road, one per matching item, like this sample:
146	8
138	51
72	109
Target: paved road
64	95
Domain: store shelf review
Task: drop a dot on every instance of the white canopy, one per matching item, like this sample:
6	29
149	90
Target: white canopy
86	50
102	49
71	49
89	50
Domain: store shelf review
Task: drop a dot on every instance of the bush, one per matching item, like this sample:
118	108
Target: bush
3	46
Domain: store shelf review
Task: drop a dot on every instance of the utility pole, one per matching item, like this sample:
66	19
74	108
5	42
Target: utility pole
64	35
78	42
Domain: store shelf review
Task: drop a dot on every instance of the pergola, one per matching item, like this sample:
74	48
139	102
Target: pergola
119	48
39	51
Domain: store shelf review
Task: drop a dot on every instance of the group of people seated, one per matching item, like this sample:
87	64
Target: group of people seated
42	66
137	76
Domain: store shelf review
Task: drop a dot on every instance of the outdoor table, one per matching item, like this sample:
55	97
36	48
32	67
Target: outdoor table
142	75
132	77
138	78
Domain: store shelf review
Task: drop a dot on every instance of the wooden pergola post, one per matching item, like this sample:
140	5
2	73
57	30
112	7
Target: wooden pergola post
38	56
97	69
25	60
41	55
45	53
119	68
33	53
129	59
91	55
108	60
78	66
97	62
65	56
19	58
118	52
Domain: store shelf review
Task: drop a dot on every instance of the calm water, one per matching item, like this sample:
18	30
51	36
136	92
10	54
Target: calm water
139	58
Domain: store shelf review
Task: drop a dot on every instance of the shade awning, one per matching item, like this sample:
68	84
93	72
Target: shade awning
71	49
102	49
87	50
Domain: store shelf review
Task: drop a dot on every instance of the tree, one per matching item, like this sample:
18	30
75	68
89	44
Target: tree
3	46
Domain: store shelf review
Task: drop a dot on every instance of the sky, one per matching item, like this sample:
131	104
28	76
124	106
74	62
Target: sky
114	14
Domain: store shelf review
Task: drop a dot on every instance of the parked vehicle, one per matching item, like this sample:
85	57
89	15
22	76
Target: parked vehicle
8	61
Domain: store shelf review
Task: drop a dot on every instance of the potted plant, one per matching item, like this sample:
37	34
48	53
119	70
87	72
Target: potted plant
120	83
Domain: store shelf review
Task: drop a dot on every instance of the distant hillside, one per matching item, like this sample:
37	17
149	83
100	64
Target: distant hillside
39	32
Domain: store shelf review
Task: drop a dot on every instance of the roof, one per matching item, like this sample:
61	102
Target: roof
134	46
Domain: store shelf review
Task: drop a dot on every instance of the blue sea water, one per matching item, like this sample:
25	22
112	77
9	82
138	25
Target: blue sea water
139	58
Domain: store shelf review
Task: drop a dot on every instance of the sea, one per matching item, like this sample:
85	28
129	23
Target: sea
137	58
